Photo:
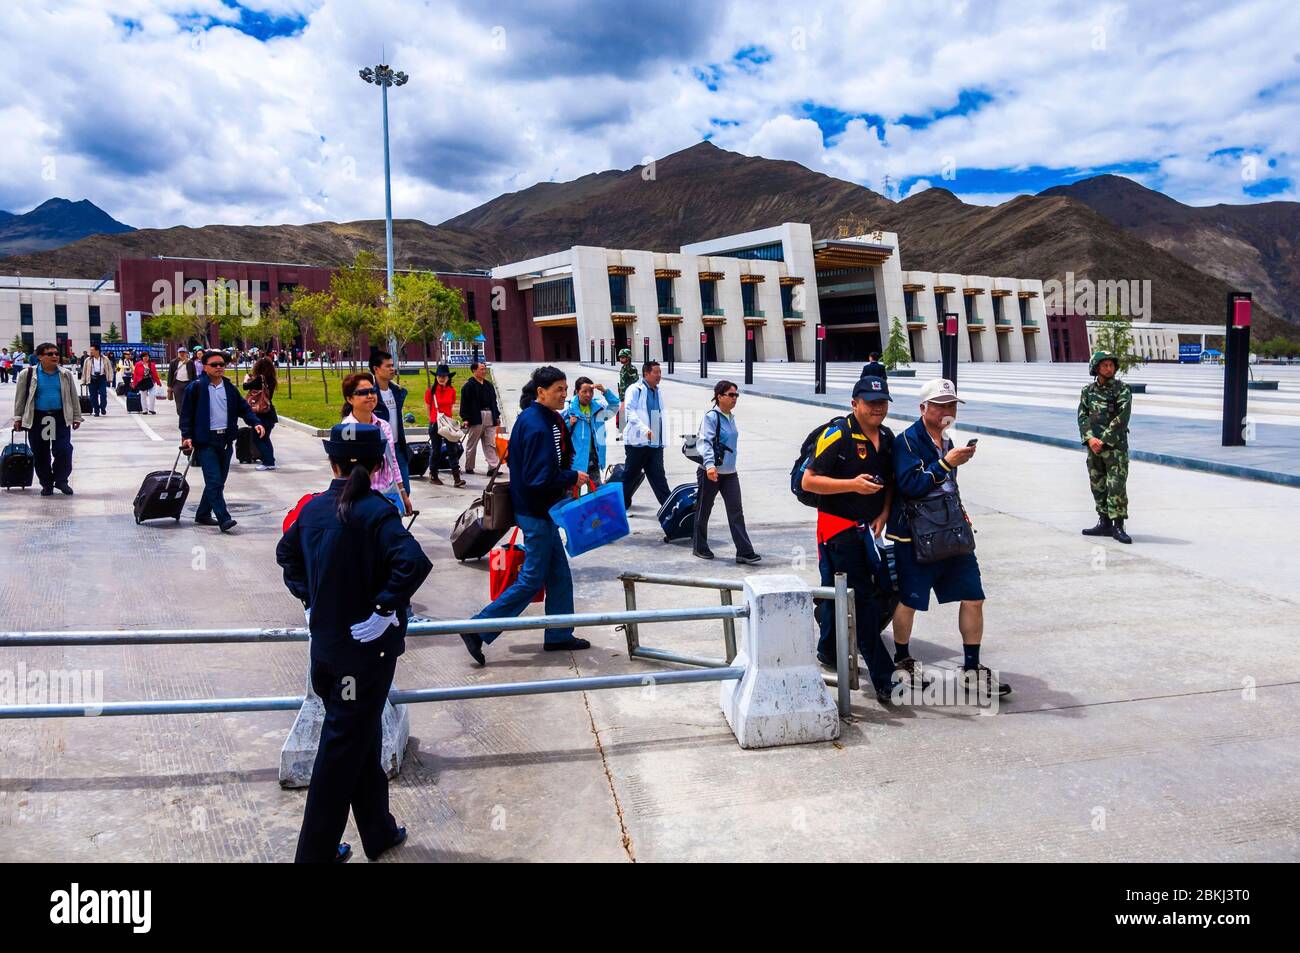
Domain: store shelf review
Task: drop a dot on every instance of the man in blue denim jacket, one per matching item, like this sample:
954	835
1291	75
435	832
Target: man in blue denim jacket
925	466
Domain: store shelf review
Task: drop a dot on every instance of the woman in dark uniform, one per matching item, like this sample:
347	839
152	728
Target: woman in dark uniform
355	568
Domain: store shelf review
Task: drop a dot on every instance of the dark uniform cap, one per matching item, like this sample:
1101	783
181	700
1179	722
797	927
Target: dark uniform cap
872	388
362	443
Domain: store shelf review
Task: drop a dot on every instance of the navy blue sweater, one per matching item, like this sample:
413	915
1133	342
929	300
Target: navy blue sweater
538	477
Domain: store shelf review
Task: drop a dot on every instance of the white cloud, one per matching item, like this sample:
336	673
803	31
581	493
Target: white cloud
160	125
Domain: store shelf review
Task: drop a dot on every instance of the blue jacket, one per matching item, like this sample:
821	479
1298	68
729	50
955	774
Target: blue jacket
194	412
590	422
918	471
537	480
398	425
343	572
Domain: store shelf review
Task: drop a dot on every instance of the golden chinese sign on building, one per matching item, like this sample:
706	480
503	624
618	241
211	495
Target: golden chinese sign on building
854	226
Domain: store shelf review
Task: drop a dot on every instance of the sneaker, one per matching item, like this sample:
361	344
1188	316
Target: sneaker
263	466
985	683
910	670
573	643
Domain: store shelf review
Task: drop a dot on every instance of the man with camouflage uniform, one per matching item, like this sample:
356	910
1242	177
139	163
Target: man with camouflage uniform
627	376
1104	408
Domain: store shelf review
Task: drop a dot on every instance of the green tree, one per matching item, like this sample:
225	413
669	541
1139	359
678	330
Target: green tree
310	313
424	309
1115	336
358	294
113	336
897	353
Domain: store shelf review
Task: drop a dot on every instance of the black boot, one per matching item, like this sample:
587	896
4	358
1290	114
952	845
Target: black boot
1104	527
1119	534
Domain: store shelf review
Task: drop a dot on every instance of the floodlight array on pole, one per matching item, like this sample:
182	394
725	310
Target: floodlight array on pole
384	76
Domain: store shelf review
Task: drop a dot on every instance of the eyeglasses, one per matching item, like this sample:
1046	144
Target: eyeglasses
364	392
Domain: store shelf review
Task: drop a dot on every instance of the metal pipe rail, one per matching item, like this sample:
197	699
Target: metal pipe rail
443	627
846	674
397	697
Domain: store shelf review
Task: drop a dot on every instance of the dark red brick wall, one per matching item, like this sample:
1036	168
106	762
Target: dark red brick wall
511	337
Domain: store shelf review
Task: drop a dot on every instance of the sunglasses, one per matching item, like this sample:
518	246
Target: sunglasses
733	393
364	392
216	363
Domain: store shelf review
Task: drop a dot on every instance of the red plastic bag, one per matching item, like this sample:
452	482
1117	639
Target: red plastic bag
504	565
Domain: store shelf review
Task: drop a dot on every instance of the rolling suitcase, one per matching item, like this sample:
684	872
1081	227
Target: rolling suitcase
470	539
245	448
17	464
133	405
163	493
85	400
677	515
417	460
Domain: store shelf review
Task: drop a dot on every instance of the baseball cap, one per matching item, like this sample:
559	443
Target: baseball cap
940	391
872	388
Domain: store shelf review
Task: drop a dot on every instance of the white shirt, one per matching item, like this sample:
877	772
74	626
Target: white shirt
97	366
390	401
182	370
217	412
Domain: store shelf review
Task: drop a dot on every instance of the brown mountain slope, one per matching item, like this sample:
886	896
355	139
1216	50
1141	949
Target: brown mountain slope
692	195
1253	247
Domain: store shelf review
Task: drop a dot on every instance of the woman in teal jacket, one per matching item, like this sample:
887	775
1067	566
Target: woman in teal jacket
586	414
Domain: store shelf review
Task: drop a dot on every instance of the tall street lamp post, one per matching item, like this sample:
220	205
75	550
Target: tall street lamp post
383	77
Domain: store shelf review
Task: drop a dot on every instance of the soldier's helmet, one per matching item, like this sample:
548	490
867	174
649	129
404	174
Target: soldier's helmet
1098	357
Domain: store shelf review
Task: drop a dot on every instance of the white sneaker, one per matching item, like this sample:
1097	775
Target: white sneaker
263	466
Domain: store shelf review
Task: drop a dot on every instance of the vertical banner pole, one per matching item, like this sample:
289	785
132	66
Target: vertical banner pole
670	355
704	354
949	347
749	355
1236	368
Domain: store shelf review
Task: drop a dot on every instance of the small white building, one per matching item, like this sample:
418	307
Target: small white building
73	313
777	284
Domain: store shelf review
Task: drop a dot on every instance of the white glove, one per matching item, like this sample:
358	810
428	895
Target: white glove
306	614
374	627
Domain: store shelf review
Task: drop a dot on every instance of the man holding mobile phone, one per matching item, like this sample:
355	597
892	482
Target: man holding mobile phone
925	471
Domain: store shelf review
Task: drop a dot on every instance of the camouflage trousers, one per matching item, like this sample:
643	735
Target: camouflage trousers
1108	477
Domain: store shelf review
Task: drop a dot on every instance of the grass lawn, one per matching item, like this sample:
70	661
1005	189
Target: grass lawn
309	405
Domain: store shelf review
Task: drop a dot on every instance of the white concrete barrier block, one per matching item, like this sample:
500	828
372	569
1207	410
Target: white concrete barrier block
782	699
298	756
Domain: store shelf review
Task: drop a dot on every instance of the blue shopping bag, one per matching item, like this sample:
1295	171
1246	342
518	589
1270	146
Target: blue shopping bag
593	519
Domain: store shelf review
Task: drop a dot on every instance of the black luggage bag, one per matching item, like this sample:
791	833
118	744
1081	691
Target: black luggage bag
677	515
85	400
470	538
417	460
133	405
163	493
17	464
245	448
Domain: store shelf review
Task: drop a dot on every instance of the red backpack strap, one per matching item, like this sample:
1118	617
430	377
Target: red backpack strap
293	514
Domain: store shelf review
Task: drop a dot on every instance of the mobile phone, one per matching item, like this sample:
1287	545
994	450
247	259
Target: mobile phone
971	443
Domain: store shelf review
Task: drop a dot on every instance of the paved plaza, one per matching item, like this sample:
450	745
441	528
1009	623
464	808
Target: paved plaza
1156	686
1177	420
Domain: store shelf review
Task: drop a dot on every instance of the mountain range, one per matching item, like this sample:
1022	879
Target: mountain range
1106	227
54	223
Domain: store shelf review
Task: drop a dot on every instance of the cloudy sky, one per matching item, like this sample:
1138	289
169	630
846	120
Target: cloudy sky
168	112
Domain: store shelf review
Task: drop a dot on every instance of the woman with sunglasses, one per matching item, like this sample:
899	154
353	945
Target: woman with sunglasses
360	394
718	441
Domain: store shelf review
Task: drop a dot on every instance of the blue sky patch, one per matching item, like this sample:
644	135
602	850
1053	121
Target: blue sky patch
968	101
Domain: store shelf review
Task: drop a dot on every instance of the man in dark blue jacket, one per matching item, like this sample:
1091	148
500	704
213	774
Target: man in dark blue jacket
355	568
925	467
541	474
210	414
392	400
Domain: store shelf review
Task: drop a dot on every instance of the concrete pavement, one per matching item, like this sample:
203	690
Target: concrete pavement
1154	712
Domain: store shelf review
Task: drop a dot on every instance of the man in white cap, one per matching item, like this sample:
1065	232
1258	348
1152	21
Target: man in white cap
934	546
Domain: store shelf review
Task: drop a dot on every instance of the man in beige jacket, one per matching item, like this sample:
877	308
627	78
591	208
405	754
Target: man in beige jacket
46	405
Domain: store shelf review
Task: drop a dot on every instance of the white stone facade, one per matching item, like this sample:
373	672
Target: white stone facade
48	297
1015	334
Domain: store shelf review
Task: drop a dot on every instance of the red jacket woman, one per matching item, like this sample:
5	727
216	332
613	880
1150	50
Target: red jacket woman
441	399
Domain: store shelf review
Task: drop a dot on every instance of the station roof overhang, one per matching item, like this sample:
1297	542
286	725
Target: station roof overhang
830	254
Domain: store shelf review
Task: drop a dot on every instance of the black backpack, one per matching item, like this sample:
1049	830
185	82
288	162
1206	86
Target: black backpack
805	458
